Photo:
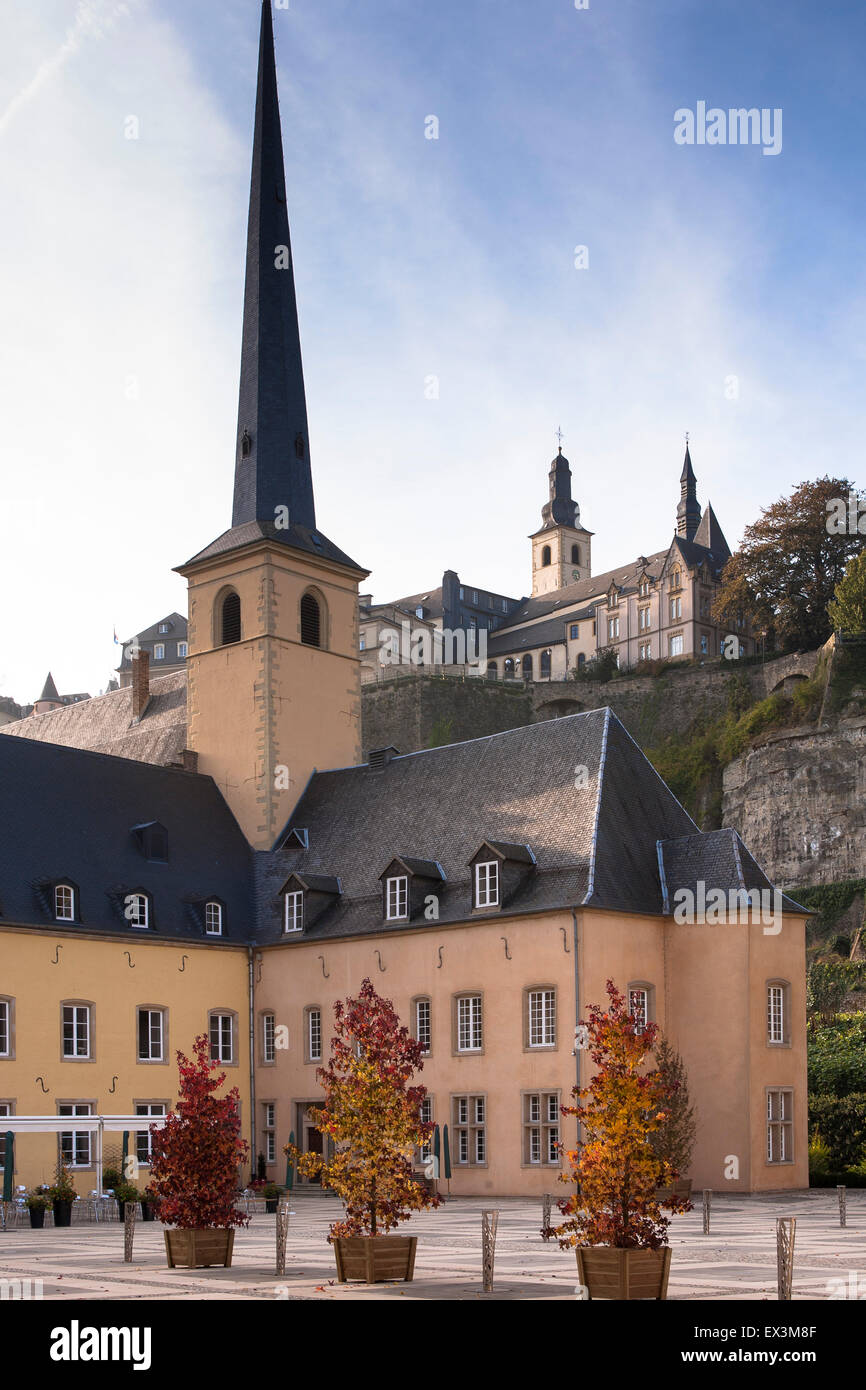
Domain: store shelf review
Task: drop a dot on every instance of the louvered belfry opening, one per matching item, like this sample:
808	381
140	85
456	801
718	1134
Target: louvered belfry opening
231	619
311	622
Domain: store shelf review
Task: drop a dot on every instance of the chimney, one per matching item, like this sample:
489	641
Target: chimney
140	684
190	760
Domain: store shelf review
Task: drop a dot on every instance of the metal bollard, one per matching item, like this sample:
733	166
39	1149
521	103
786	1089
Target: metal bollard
786	1227
489	1222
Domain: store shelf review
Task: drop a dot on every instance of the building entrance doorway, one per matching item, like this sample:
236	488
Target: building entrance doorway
312	1139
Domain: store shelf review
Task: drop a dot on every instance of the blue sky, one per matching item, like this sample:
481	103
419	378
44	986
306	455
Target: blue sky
121	280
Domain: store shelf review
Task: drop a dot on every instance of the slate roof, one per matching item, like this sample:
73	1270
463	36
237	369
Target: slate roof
294	537
710	534
104	724
545	634
49	689
719	859
69	815
624	576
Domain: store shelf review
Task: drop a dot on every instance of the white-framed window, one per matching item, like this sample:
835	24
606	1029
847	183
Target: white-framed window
423	1024
294	919
676	609
164	627
151	1035
213	919
64	903
269	1051
505	605
137	910
222	1037
675	644
638	1007
425	1115
5	1028
362	644
643	619
487	884
314	1035
470	1031
269	1126
396	897
75	1143
780	1125
153	1109
76	1031
541	1017
470	1129
778	1012
541	1128
644	651
182	649
643	588
159	651
612	628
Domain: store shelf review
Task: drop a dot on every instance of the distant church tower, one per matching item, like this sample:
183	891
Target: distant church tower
688	508
274	676
561	550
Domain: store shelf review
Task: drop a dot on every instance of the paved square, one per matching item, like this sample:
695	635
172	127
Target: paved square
736	1261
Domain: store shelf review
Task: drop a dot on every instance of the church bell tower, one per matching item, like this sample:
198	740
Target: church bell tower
562	549
274	673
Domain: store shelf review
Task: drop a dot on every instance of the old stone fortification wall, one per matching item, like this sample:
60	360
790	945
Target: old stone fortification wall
410	712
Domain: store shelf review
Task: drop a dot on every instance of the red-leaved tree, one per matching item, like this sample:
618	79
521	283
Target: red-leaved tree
614	1165
372	1115
196	1154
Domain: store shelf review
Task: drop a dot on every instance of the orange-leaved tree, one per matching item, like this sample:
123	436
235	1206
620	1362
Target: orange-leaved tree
614	1166
196	1154
372	1115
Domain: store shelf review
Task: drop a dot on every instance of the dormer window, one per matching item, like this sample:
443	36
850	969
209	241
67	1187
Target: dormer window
294	912
644	588
396	898
164	627
153	839
213	919
487	884
612	599
137	910
676	579
64	902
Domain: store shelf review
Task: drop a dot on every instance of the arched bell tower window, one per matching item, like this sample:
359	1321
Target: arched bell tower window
230	619
575	554
311	621
545	555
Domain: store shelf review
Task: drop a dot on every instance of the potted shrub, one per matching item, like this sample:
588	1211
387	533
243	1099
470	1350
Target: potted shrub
38	1202
271	1194
125	1192
614	1218
149	1204
372	1116
674	1140
194	1162
62	1194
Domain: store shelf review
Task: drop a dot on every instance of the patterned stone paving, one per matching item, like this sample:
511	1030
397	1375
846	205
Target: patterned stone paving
736	1261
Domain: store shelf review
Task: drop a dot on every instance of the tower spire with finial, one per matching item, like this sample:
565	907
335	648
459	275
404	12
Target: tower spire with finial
688	508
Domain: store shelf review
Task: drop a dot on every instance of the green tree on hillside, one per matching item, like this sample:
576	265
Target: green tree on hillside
848	608
785	573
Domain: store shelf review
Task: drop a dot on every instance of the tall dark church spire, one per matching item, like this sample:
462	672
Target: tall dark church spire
272	467
688	508
561	510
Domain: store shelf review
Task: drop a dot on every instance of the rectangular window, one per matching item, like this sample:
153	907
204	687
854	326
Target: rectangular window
675	645
158	651
487	884
269	1137
638	1007
150	1035
475	596
268	1039
363	644
469	1029
213	919
222	1037
396	898
612	628
423	1030
643	617
425	1114
314	1035
541	1128
5	1028
542	1017
775	1013
462	592
154	1109
5	1112
574	630
676	609
76	1031
182	649
780	1126
705	644
75	1143
294	912
505	605
644	651
470	1121
64	903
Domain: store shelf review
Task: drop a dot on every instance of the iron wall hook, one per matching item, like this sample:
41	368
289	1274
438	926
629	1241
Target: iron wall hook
565	945
324	971
113	1086
57	950
182	966
129	958
42	1084
507	952
439	966
381	966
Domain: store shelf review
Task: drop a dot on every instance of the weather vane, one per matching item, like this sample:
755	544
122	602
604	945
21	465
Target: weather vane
559	436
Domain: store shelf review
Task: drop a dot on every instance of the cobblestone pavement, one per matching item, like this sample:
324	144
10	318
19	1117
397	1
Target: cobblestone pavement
736	1261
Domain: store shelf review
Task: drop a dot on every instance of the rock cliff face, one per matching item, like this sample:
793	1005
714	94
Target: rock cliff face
799	802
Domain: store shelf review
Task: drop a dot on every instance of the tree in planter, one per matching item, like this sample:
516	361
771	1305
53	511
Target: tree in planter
674	1140
196	1154
372	1115
614	1167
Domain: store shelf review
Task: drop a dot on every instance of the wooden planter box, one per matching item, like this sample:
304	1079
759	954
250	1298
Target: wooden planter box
375	1259
681	1188
192	1249
624	1274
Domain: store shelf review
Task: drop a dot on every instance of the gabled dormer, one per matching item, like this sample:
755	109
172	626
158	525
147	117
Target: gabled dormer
296	837
152	839
499	870
406	884
305	899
